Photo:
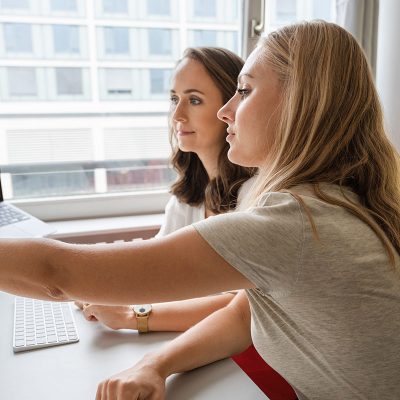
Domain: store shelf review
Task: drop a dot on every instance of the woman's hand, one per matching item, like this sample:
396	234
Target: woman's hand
143	381
115	317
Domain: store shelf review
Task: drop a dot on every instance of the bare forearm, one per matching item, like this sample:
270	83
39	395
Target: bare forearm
222	334
178	316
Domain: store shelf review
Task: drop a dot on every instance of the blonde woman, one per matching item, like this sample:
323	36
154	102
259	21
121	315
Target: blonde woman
317	248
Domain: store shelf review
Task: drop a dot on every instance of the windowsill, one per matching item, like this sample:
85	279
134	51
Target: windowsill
96	230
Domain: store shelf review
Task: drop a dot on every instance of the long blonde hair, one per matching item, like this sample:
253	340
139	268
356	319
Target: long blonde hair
331	126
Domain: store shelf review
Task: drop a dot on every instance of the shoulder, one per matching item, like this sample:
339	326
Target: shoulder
245	188
177	206
276	214
264	242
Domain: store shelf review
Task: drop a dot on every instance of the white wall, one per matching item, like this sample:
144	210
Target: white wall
388	71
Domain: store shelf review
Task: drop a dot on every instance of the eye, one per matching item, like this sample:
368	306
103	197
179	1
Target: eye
174	100
195	101
243	93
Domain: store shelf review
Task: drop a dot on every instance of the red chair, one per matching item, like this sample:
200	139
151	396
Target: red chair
266	378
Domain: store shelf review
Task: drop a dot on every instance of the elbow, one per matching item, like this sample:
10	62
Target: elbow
54	277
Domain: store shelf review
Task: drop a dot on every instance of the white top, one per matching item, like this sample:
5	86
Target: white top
179	215
326	311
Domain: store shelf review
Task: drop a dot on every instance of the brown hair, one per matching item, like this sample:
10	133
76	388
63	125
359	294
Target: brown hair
331	127
193	185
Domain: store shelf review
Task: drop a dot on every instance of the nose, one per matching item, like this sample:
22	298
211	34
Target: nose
227	112
179	113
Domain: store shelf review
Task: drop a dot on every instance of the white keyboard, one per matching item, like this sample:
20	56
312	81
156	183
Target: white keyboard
40	323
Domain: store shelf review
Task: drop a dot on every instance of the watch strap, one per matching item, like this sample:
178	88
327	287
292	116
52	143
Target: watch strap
142	323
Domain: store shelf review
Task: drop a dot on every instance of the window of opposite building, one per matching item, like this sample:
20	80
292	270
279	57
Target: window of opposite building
69	81
14	4
160	41
22	82
63	5
158	7
205	8
66	38
18	38
115	6
116	40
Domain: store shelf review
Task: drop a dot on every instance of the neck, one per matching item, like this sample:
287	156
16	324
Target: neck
210	163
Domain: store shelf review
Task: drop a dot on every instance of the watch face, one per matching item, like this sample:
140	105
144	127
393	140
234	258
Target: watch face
142	309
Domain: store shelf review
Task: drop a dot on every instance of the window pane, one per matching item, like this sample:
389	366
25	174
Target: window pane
14	4
22	81
63	5
69	81
115	6
205	8
119	81
159	80
52	184
205	38
17	38
66	39
160	41
286	11
116	40
158	7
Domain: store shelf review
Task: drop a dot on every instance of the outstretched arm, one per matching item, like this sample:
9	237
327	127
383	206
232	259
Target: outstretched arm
179	266
205	343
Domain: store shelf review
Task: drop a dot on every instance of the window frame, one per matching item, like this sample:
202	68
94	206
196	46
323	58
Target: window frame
103	205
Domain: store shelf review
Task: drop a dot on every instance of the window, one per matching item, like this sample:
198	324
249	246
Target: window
94	120
205	38
286	11
66	39
22	82
205	8
28	184
69	81
17	38
14	4
63	5
116	40
115	6
158	7
160	41
119	81
159	81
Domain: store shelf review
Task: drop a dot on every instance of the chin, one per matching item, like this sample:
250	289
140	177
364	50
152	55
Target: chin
233	157
237	159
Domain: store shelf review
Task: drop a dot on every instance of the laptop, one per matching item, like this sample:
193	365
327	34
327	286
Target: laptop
15	223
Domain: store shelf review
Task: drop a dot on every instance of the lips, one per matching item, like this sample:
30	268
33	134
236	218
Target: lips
183	133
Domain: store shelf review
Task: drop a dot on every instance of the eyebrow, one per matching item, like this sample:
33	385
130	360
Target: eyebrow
245	74
189	91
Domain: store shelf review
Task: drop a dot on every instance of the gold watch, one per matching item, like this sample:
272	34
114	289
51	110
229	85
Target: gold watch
142	313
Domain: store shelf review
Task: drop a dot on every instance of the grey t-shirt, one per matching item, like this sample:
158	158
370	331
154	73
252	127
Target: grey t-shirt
326	313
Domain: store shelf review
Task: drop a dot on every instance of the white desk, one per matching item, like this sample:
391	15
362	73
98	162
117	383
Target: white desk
73	371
